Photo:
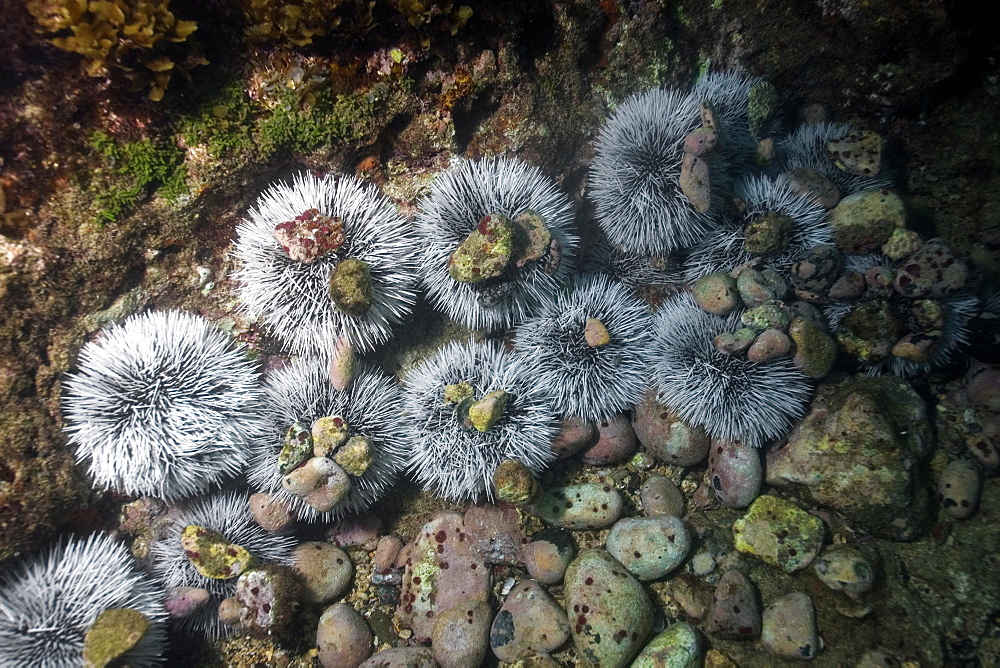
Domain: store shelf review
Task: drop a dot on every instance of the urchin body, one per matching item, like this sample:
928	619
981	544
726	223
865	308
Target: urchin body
49	600
634	179
302	392
228	513
459	199
634	270
453	460
594	382
724	249
292	298
731	397
163	405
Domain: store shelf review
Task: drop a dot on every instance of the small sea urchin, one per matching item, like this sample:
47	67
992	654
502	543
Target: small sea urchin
228	514
49	600
300	394
730	396
590	349
336	231
453	454
163	405
460	199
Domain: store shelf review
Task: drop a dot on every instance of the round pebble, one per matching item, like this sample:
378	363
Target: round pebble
269	512
616	442
343	637
660	496
386	552
779	533
461	635
844	568
757	287
181	602
326	570
735	611
864	220
735	472
677	646
574	434
716	293
665	436
770	344
402	657
548	555
649	547
788	628
578	507
529	621
958	488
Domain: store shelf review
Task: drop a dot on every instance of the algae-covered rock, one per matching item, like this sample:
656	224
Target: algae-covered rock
815	350
534	238
212	554
780	533
677	646
297	448
769	234
351	286
356	455
114	632
486	252
514	483
485	413
862	222
268	598
869	332
329	433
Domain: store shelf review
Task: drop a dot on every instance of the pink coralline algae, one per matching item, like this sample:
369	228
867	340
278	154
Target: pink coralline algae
310	235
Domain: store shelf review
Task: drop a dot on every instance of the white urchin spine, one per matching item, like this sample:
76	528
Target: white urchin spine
291	298
459	199
302	392
634	178
456	462
634	270
723	250
806	147
49	600
729	94
163	405
227	512
731	397
592	382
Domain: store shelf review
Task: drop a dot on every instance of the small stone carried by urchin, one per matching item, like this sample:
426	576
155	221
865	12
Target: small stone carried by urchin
656	186
324	257
804	154
497	241
210	542
50	601
326	452
163	405
590	349
471	406
729	396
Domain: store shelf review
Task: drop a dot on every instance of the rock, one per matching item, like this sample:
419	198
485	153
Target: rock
616	441
386	552
850	285
402	657
461	635
328	434
548	555
716	293
350	285
678	646
229	611
660	496
114	632
811	182
574	434
869	332
700	141
789	628
649	547
529	621
486	252
310	235
735	473
534	238
495	533
958	489
268	598
845	568
857	154
320	482
769	315
817	271
595	333
270	513
610	614
344	639
735	343
915	347
694	182
442	571
296	449
901	242
716	659
182	602
929	314
485	413
982	386
514	483
356	529
356	455
578	507
779	533
665	436
343	366
735	611
768	235
880	279
932	272
211	553
763	101
858	452
756	287
326	570
815	350
770	344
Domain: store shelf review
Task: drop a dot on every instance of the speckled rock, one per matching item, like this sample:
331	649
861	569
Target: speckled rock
548	555
649	547
182	602
616	441
665	436
461	635
270	513
320	482
114	632
326	570
858	154
660	496
809	181
819	269
343	637
858	451
514	483
716	293
959	487
789	628
932	272
574	434
815	350
402	657
442	571
495	533
583	506
268	598
771	344
862	222
212	555
870	330
756	287
780	533
677	646
363	529
529	621
735	611
735	473
609	611
844	568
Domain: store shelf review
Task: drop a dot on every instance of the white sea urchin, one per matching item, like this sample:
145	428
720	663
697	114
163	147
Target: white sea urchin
49	600
163	405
